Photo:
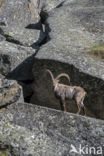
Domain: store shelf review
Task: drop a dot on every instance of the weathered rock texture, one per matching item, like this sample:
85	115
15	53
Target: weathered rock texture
15	16
10	92
72	26
17	13
31	130
69	36
67	28
11	55
20	30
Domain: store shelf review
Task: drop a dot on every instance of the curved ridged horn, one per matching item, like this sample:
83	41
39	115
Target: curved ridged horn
53	80
63	75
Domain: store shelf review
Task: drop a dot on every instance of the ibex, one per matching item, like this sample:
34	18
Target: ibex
65	92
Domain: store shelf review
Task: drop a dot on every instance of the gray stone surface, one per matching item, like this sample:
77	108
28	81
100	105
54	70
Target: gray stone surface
73	26
31	130
11	55
22	36
71	34
10	92
15	16
18	13
48	5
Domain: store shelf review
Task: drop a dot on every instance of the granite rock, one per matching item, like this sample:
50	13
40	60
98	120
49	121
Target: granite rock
32	130
69	35
12	55
18	13
16	18
73	27
10	92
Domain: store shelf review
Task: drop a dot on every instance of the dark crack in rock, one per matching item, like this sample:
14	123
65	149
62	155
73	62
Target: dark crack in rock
70	37
73	26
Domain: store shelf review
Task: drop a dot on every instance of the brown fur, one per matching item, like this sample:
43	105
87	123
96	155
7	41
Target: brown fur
69	92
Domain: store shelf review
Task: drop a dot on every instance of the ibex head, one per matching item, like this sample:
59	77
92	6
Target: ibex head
56	80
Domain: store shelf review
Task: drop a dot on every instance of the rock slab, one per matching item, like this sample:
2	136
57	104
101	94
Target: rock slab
32	130
10	92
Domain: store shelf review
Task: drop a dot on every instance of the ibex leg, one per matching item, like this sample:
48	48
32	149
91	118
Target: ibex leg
79	108
64	105
83	107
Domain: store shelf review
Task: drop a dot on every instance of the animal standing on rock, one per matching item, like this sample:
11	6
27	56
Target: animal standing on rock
66	92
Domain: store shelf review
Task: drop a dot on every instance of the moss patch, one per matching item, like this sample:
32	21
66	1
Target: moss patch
96	51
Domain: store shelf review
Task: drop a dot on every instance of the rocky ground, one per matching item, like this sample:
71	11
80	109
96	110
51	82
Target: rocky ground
33	130
37	35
